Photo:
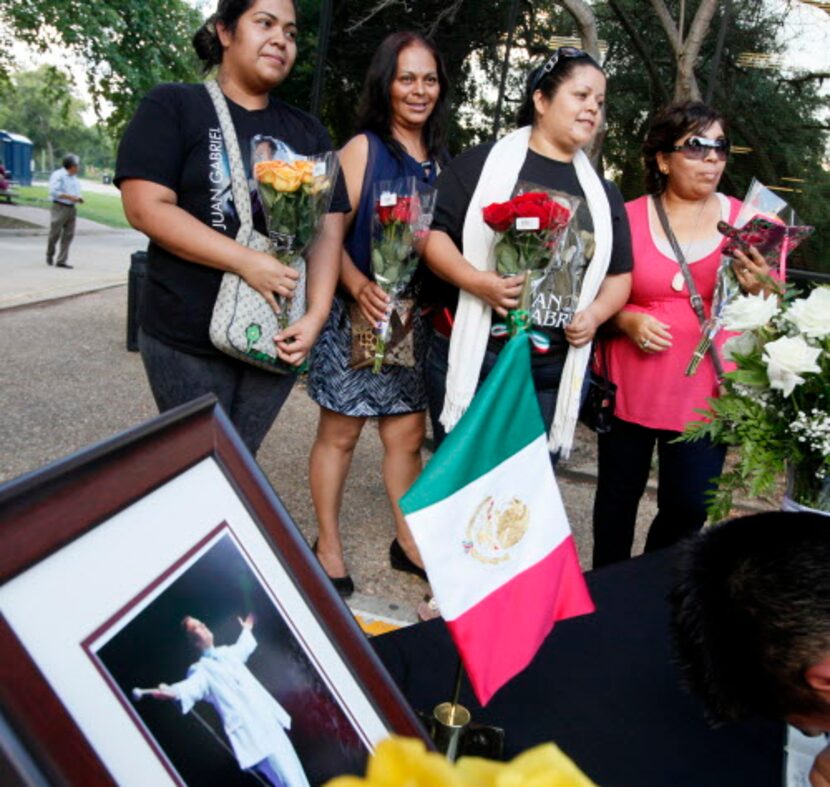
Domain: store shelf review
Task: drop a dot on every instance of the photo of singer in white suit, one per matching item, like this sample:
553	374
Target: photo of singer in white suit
254	722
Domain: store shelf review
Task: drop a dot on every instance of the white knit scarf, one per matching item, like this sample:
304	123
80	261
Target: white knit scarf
472	318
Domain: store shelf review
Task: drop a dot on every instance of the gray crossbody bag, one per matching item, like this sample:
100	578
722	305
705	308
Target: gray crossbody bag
243	323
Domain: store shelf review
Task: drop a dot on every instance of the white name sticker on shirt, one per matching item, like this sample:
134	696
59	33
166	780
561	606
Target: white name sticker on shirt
388	198
319	169
527	223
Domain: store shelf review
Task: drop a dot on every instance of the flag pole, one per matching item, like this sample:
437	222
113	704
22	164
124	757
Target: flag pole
459	676
451	720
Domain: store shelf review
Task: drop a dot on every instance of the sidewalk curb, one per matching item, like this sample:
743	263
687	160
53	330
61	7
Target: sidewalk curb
42	299
44	232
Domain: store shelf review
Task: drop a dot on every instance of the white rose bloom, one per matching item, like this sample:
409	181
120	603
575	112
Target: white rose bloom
786	358
742	344
749	312
811	315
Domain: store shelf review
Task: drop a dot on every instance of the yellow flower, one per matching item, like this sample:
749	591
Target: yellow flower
405	762
306	170
316	185
544	765
282	175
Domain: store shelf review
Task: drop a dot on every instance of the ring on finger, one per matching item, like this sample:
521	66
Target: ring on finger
645	343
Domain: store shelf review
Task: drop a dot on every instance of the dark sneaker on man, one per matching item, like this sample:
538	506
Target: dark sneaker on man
64	265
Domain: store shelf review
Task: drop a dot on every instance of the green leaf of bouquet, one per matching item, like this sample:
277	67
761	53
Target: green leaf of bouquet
268	197
507	259
378	262
753	377
401	251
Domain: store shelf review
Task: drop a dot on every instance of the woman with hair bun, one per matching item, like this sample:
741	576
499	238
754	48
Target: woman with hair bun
400	122
561	112
175	178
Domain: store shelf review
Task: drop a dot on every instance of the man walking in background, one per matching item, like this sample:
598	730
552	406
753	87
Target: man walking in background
65	193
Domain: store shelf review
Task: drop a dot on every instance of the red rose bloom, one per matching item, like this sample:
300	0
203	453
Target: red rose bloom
558	215
384	213
404	211
499	216
530	197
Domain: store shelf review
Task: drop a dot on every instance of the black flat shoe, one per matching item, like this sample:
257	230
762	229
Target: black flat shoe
343	585
400	561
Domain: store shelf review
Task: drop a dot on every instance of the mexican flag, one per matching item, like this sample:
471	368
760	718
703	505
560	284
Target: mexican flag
489	521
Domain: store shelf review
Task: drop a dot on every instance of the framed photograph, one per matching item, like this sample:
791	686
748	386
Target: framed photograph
162	621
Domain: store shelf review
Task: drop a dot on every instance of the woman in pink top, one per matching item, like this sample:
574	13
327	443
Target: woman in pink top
685	153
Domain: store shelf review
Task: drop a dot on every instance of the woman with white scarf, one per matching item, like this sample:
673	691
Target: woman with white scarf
560	114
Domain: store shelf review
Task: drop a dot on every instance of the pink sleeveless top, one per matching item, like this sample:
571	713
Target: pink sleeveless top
652	389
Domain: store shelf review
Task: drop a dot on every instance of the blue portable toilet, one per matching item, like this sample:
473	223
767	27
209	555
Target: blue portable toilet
16	155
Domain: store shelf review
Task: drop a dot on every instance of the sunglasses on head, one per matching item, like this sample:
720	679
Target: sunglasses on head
697	148
563	53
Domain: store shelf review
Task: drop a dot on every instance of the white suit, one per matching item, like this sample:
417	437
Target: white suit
254	721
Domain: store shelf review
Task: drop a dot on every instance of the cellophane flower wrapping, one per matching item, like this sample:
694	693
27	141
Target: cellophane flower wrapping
295	192
403	211
764	210
531	227
776	405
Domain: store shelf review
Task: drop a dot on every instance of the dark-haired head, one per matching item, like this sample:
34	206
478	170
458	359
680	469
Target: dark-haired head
70	160
752	617
670	125
206	40
375	109
548	77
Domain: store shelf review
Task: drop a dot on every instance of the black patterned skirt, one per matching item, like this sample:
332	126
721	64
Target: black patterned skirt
333	384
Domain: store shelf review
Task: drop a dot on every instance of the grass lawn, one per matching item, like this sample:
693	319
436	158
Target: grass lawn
102	208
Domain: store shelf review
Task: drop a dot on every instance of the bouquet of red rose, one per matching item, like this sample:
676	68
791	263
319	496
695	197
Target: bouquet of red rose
400	223
532	225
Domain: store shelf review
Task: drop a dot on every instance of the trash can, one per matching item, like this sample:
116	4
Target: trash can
106	179
135	285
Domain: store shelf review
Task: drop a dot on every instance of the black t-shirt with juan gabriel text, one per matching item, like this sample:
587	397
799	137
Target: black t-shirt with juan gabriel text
175	140
550	312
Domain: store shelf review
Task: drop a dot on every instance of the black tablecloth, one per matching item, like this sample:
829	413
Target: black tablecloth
604	688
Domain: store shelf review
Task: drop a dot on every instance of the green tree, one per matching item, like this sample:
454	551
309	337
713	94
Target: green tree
775	118
39	104
129	45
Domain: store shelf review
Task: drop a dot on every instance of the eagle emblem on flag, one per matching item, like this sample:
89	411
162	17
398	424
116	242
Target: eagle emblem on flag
494	531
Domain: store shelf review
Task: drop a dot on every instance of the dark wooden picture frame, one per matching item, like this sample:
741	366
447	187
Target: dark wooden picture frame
45	511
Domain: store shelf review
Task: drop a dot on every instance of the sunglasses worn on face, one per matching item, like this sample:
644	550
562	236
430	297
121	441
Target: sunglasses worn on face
697	148
563	53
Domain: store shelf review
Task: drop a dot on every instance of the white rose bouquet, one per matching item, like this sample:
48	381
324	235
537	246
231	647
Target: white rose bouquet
776	407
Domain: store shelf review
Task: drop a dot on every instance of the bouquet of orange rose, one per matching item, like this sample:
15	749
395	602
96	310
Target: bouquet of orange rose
295	193
532	227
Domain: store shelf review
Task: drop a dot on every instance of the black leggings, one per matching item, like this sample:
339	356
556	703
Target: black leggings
251	397
686	473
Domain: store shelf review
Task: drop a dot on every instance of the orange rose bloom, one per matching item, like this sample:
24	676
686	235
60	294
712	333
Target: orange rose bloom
282	175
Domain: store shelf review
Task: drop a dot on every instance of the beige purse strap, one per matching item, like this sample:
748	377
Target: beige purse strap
239	182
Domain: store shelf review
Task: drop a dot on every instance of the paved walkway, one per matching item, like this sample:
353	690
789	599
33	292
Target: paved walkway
100	256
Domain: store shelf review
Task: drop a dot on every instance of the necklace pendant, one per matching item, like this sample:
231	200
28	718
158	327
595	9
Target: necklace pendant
678	282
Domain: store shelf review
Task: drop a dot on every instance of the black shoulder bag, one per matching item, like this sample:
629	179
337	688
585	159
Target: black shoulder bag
598	408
